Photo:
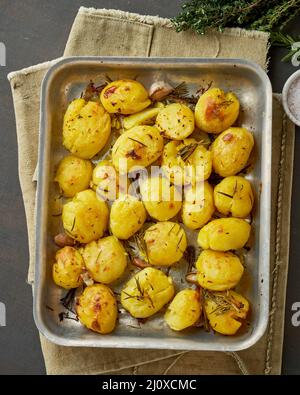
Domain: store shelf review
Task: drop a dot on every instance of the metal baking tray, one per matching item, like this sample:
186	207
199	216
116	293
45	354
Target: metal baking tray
65	81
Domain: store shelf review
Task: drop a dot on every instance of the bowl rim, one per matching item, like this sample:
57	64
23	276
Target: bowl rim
285	92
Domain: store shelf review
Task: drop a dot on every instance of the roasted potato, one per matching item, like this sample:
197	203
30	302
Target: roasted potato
216	110
224	234
233	195
144	117
165	243
85	217
124	97
68	268
225	310
162	200
175	121
218	271
184	310
198	205
105	259
147	292
186	162
231	151
106	181
86	128
139	146
97	308
73	175
127	216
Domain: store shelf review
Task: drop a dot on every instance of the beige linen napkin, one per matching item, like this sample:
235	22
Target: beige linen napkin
112	32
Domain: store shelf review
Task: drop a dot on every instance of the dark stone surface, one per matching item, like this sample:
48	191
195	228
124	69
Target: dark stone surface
35	31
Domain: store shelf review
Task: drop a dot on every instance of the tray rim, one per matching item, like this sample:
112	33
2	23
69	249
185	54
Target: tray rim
136	342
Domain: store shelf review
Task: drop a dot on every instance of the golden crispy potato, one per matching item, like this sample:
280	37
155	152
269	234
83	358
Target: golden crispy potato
184	310
165	243
124	97
218	271
225	310
224	234
147	292
127	216
139	146
68	268
85	217
97	308
231	151
186	162
176	121
162	200
198	205
86	128
233	195
105	259
73	175
144	117
216	110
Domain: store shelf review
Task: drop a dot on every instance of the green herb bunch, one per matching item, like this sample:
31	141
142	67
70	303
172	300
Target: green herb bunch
265	15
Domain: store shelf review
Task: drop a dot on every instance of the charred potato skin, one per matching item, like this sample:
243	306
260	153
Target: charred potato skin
105	259
227	322
124	97
97	308
85	217
224	234
233	195
216	111
73	175
147	292
68	268
196	213
176	121
139	146
184	310
165	243
218	271
86	128
168	202
231	151
127	216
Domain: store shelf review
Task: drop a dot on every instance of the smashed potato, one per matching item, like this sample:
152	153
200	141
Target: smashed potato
124	97
147	292
224	234
184	310
162	200
97	308
73	175
216	110
165	243
105	259
85	217
141	118
225	310
139	146
231	151
105	181
86	128
68	268
186	162
198	205
233	195
176	121
127	216
218	271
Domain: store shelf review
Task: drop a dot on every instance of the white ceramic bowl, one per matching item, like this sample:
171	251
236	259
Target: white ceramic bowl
285	94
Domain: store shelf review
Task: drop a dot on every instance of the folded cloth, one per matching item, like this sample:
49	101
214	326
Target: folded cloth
113	32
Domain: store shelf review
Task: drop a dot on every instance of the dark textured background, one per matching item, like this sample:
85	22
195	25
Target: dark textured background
35	31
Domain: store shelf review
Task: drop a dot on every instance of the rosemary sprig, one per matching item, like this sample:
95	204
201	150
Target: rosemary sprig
187	150
279	39
223	301
225	194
